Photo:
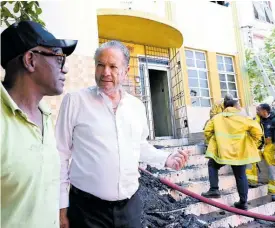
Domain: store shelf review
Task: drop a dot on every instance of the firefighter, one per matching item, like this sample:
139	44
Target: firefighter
233	140
219	106
216	109
268	123
252	169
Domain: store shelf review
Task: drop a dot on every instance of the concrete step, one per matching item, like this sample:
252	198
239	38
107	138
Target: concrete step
258	224
195	160
198	186
192	173
169	142
224	219
229	197
194	149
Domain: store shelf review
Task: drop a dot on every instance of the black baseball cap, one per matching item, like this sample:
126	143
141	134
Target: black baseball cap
25	35
265	107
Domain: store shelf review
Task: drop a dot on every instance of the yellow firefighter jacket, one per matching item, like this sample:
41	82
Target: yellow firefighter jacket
216	109
233	138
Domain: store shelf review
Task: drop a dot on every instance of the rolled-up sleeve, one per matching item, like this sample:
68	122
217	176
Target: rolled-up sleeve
64	130
149	154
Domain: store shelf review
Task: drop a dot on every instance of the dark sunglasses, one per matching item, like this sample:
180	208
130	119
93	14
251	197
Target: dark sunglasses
62	56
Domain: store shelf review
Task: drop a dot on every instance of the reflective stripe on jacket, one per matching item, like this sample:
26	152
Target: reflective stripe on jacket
233	138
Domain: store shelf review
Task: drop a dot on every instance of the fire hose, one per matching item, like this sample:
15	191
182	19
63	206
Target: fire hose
210	201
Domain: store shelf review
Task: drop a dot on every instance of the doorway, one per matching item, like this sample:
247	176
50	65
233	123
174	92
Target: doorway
161	107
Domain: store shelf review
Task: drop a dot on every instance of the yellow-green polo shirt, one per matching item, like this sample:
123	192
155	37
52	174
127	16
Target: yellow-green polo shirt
30	169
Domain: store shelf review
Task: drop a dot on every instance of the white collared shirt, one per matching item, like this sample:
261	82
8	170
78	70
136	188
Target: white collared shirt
105	148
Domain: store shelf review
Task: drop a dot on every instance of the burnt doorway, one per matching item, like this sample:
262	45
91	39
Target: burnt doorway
161	107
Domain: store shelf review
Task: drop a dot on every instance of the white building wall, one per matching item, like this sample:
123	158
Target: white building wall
259	29
69	19
73	20
206	26
148	6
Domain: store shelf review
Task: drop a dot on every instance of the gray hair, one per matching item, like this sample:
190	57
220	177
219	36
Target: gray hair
228	97
114	44
230	103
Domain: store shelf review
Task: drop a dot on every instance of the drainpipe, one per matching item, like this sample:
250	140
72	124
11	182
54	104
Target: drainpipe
241	53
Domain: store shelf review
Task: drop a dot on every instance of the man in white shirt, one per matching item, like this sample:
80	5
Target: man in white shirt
103	130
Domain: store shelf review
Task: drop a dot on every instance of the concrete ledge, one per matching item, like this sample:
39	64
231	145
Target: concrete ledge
225	182
196	172
169	142
194	149
223	219
198	159
229	199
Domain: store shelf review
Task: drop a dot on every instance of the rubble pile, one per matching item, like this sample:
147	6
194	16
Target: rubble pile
163	210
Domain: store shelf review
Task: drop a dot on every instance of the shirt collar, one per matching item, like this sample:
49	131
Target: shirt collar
44	108
121	90
6	98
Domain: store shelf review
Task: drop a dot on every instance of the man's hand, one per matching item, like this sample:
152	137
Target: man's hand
177	160
64	222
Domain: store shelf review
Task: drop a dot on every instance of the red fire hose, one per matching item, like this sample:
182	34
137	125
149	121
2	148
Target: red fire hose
212	202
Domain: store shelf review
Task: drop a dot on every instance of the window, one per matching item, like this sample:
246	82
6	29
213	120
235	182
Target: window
227	76
222	3
263	12
198	78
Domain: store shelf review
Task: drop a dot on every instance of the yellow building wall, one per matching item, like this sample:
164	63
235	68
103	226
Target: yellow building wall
213	77
240	84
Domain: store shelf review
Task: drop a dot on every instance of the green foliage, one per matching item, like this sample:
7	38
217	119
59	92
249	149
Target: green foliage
270	46
257	87
21	11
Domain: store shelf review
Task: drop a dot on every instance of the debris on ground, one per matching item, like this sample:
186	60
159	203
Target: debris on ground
163	210
258	224
154	170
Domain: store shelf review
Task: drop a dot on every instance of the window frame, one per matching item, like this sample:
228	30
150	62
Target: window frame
264	6
197	69
226	73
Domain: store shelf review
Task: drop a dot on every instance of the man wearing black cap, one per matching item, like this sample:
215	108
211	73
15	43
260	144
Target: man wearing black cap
33	60
268	123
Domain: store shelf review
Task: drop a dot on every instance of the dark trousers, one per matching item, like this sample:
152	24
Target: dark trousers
239	173
88	211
